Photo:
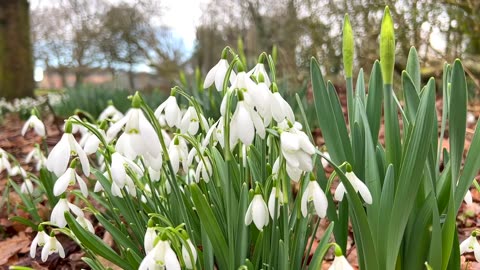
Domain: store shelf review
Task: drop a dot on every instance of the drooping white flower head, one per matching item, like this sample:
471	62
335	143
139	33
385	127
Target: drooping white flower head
169	108
161	256
38	157
110	112
217	75
39	240
324	161
244	124
178	152
18	170
190	122
119	172
314	193
204	169
189	263
4	162
61	153
149	239
357	184
257	212
57	216
281	110
271	202
296	148
260	74
69	178
85	223
36	124
27	186
52	245
471	245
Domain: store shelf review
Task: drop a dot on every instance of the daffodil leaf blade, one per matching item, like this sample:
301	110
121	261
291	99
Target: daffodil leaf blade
360	86
413	68
412	99
435	252
374	99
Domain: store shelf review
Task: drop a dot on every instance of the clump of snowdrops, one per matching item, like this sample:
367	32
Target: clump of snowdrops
248	190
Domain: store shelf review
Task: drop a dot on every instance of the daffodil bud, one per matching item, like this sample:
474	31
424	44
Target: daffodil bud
387	47
348	47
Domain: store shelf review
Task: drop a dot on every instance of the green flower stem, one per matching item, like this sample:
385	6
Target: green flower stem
350	102
392	130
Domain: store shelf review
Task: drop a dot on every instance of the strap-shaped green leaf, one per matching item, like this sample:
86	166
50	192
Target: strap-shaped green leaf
374	99
413	68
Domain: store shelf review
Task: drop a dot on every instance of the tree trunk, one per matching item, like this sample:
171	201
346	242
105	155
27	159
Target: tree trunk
16	61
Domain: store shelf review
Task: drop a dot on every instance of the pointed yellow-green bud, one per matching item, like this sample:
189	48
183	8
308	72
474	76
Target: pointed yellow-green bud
387	47
348	49
136	100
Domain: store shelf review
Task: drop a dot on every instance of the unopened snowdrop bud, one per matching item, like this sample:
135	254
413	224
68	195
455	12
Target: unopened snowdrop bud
67	147
297	149
357	184
52	245
110	112
68	179
245	123
189	260
471	245
18	170
468	198
271	201
218	73
257	211
27	186
314	193
150	236
170	109
39	240
58	212
36	124
161	256
340	262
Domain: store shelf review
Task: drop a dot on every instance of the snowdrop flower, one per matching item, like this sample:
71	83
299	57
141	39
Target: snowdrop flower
37	155
471	245
186	255
204	169
281	110
39	240
90	142
118	169
161	256
293	172
271	202
468	198
340	262
191	122
4	163
257	212
85	223
58	218
178	153
314	193
263	102
67	147
244	87
170	109
259	71
18	170
218	73
110	112
27	186
67	179
245	121
149	238
357	184
296	148
52	245
36	124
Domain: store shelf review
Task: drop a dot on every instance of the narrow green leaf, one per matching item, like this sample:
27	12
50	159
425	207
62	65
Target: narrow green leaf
374	99
411	97
360	87
413	68
322	249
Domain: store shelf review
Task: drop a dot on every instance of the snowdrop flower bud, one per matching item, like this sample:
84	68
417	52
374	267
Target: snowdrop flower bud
150	236
37	155
245	121
39	240
257	212
27	186
324	161
51	246
169	107
357	184
297	149
118	169
186	255
67	179
161	256
18	170
58	212
471	245
340	262
110	112
36	124
313	193
218	73
271	202
67	147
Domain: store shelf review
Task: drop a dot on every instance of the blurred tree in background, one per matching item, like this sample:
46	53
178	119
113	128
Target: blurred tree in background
16	65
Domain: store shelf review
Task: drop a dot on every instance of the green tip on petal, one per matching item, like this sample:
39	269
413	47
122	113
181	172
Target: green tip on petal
348	48
136	100
73	164
387	47
257	189
474	233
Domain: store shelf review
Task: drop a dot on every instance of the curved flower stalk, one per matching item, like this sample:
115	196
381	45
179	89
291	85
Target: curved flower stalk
66	148
357	184
257	212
